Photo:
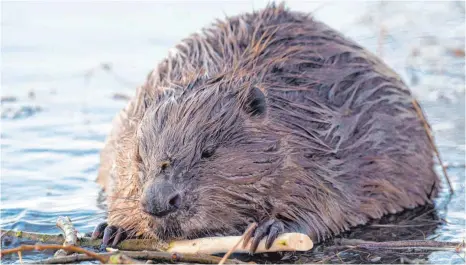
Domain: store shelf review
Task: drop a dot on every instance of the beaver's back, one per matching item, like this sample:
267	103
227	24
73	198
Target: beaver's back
348	118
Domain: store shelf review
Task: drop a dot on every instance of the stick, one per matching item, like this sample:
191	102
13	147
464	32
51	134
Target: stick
431	140
71	239
129	244
212	245
45	247
413	244
20	257
142	255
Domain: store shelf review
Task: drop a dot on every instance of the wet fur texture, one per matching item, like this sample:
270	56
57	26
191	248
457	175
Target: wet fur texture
338	143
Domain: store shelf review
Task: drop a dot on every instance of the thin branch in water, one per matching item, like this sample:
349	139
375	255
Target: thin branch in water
142	255
431	140
45	247
407	244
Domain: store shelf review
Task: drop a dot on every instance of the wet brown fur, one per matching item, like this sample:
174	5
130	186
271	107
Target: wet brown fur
340	142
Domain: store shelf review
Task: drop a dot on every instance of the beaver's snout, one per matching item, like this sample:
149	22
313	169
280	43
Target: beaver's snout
160	199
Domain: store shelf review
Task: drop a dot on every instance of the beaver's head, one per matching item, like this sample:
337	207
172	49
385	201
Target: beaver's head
206	161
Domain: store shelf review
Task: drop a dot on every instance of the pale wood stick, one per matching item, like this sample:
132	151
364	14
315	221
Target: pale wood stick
214	245
70	233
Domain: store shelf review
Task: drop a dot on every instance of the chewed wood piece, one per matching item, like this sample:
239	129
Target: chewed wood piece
69	233
213	245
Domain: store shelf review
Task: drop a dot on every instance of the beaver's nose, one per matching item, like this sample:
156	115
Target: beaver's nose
160	199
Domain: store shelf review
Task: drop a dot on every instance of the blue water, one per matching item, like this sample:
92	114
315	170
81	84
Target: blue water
63	63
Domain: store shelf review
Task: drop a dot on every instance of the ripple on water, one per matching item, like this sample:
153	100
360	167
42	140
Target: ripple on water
45	222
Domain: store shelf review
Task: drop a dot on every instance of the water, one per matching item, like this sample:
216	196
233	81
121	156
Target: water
63	64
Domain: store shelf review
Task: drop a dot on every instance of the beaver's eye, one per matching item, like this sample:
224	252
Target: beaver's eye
207	152
164	165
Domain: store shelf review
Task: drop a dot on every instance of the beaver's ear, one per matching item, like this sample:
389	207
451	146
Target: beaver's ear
255	104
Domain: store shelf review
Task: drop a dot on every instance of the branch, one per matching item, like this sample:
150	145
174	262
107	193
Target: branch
407	244
432	142
22	248
141	255
129	244
209	245
212	245
71	239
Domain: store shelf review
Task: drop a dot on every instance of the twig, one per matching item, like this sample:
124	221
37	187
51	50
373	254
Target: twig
75	258
71	239
431	140
208	245
225	257
142	255
331	257
128	244
413	244
96	256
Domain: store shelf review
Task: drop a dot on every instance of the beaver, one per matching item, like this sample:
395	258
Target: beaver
270	117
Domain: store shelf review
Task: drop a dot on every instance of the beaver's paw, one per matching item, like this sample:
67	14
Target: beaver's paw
269	228
111	235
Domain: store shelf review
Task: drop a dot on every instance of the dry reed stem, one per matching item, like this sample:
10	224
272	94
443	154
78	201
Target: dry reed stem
431	140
